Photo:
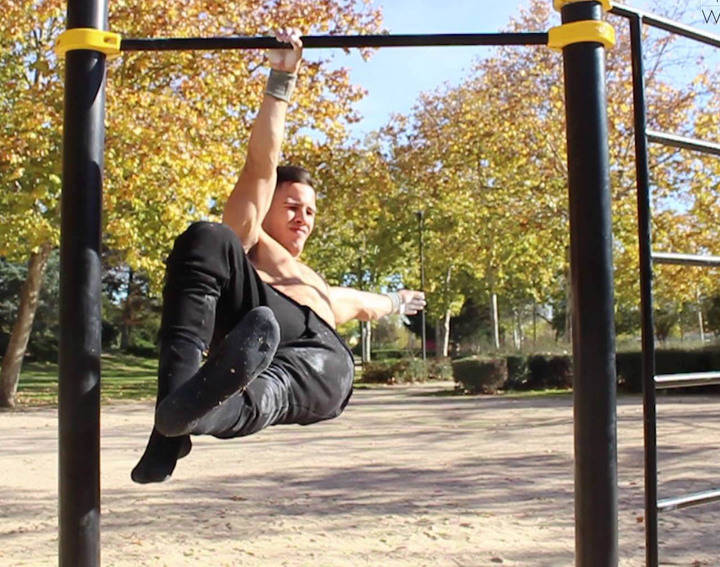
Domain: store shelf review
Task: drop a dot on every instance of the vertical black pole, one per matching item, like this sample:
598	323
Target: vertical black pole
593	324
642	173
79	380
421	223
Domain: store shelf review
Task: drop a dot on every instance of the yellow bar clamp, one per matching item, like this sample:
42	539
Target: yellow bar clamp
88	38
582	31
606	4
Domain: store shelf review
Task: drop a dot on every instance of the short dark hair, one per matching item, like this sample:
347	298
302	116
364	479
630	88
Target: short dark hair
293	174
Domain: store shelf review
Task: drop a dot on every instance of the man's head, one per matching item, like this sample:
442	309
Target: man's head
291	216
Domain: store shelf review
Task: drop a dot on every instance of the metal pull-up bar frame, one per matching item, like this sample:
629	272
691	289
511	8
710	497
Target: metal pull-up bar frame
651	382
582	37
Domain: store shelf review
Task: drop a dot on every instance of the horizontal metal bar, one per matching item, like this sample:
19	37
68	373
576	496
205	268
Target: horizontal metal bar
668	25
696	499
330	41
681	142
685	259
686	380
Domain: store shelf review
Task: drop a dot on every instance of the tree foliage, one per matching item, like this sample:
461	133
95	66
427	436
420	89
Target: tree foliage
176	126
487	160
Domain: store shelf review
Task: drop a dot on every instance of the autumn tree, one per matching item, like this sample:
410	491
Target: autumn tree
176	128
487	157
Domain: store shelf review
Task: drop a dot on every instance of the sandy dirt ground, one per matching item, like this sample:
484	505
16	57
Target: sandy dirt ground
402	478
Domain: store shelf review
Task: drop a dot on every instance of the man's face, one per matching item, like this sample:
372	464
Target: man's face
291	217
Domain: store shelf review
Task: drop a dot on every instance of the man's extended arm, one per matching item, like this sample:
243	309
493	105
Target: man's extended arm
250	199
348	303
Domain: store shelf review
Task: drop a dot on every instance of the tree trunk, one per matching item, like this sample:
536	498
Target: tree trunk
517	330
568	298
366	338
127	314
568	311
442	335
29	294
494	321
701	325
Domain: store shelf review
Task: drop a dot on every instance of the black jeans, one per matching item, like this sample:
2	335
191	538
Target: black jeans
210	285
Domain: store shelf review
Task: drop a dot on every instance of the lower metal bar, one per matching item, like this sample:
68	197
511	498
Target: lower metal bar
331	41
685	259
684	143
696	499
687	380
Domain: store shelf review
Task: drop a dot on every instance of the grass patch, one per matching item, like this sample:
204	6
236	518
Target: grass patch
124	377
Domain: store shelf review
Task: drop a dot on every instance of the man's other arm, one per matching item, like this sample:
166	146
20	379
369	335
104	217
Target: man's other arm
348	303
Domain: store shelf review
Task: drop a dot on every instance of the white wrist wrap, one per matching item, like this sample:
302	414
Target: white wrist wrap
280	84
396	302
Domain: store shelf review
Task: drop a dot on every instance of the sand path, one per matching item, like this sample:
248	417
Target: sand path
403	478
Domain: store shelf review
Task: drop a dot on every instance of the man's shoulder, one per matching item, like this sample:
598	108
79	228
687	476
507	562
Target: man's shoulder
267	245
270	251
309	271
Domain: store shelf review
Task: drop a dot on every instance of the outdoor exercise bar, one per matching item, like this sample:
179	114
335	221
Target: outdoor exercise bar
582	38
335	41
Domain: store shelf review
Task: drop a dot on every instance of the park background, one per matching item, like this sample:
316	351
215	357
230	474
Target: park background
472	138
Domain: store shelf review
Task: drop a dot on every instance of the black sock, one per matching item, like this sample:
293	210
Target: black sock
179	360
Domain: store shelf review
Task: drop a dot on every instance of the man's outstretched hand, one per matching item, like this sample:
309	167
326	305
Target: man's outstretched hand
287	60
411	301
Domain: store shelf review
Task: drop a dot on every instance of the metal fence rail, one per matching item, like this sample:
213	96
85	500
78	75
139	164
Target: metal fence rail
685	259
687	380
689	500
683	143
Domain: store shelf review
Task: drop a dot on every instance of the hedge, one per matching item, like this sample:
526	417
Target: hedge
667	361
406	370
478	375
549	371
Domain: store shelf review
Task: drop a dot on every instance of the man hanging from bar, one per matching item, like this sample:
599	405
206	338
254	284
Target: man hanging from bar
238	290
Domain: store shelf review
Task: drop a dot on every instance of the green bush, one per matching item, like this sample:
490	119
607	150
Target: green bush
388	354
549	371
628	366
401	371
561	371
439	368
518	374
540	371
377	372
476	375
667	361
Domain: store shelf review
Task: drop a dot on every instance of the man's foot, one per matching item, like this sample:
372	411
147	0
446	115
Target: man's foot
161	454
245	352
